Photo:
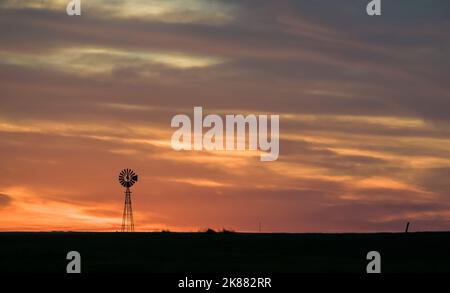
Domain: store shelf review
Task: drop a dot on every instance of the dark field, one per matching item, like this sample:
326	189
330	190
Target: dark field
227	252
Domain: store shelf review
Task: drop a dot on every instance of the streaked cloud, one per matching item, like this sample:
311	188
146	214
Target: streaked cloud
79	60
175	11
5	200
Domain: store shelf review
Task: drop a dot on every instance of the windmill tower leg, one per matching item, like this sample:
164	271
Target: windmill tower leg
130	215
127	219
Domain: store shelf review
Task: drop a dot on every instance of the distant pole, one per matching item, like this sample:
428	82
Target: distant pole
407	227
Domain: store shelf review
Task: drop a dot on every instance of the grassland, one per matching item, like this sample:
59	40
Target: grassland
224	252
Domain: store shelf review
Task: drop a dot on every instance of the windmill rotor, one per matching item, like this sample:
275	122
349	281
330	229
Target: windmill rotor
127	178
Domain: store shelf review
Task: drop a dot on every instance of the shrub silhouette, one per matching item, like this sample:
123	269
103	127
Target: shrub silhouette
225	231
210	231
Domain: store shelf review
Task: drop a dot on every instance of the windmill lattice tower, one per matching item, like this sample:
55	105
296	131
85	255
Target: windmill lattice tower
127	178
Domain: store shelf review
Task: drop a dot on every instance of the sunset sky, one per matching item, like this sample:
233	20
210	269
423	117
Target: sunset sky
363	102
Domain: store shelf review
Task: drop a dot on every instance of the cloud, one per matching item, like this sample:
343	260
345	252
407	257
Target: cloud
336	69
5	200
363	103
186	11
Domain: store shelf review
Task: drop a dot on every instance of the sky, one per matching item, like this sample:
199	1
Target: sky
363	105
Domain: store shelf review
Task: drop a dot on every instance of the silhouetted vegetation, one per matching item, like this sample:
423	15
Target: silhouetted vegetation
226	231
210	231
223	231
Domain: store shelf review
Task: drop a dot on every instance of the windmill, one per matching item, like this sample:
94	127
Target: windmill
127	178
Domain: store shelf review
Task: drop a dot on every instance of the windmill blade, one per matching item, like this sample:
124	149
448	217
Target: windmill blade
127	177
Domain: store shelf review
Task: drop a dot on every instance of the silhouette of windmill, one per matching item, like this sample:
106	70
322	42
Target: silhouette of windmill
127	178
